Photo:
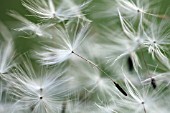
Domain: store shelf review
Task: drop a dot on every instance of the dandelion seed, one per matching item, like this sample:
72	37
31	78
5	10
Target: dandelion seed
126	44
40	30
42	91
157	77
66	40
156	41
141	98
99	82
50	9
132	8
137	9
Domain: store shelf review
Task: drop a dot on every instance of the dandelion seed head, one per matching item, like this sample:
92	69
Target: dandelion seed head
156	39
50	9
141	97
66	40
44	91
134	9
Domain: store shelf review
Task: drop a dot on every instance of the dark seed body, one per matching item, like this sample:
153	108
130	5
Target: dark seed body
120	89
153	83
130	63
